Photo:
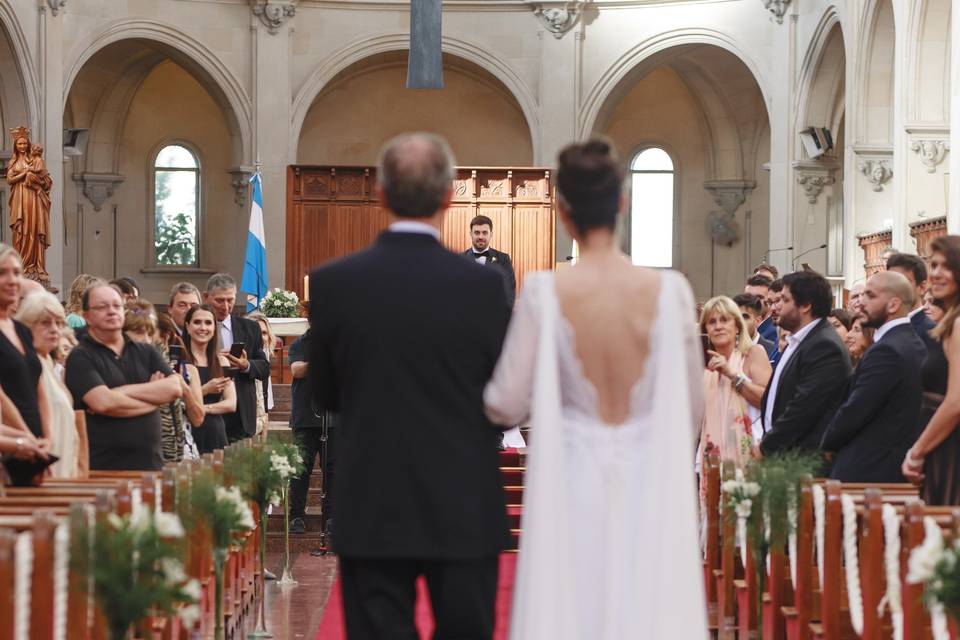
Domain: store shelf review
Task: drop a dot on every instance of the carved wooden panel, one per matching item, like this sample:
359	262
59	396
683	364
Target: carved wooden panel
332	211
925	231
873	245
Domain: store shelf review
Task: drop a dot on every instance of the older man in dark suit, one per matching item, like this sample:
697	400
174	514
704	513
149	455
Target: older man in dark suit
405	336
873	429
810	379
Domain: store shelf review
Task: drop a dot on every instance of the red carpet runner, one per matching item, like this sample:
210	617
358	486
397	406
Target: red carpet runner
331	626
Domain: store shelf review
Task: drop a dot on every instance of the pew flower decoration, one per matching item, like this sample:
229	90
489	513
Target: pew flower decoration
937	566
287	462
136	568
280	304
740	494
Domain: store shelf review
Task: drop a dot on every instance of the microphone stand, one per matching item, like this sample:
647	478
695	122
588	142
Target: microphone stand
766	254
794	262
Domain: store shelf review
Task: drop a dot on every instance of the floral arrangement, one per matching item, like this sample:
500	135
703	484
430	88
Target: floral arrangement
937	566
138	569
280	304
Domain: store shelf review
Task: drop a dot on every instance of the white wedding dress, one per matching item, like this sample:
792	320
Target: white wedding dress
609	549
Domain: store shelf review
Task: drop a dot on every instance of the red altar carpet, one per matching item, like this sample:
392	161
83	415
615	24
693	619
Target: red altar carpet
331	626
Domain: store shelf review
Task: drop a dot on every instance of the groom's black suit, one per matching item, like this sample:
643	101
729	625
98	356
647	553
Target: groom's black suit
405	337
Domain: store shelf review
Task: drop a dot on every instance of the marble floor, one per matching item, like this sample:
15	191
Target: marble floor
294	612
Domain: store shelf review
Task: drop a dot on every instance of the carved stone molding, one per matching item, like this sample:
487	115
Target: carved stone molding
240	179
777	7
729	194
931	152
98	186
878	172
813	183
274	13
56	5
557	17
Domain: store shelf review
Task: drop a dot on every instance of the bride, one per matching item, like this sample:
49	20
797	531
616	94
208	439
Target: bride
605	359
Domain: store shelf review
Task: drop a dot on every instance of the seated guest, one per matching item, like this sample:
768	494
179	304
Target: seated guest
810	378
250	365
264	392
932	307
178	417
120	384
737	372
43	314
841	321
219	397
751	308
873	428
858	340
20	368
914	269
77	287
183	295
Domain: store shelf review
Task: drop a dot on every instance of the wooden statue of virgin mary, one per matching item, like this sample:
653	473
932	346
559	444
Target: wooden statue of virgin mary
30	185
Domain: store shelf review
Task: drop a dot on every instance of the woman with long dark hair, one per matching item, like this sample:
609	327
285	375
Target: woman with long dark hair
934	459
202	343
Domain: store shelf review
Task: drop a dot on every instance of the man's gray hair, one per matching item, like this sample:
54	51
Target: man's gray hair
415	171
221	281
185	288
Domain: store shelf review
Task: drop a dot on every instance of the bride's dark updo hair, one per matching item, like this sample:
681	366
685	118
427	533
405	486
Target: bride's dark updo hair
589	182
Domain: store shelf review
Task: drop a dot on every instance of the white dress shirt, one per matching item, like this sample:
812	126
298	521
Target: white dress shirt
414	226
793	342
226	332
890	324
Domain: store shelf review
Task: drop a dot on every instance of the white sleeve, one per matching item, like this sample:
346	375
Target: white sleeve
693	351
508	395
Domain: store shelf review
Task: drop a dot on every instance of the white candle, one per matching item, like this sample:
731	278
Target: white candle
306	288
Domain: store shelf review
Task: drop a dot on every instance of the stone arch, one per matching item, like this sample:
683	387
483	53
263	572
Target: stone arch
195	57
928	61
625	66
400	41
19	86
875	63
821	99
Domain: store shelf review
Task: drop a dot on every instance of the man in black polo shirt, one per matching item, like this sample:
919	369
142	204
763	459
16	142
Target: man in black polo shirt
119	384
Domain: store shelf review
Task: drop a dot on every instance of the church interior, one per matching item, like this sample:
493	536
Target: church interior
804	134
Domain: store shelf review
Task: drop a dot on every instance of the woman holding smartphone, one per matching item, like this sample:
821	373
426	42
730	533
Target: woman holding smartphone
219	396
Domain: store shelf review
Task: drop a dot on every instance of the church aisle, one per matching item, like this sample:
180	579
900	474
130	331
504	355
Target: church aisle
295	612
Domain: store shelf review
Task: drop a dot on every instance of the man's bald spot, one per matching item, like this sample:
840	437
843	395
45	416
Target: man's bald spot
895	285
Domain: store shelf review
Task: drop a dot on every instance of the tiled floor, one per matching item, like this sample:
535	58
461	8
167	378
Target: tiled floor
294	612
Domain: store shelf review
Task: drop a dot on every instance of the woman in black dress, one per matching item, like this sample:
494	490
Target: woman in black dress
20	368
202	342
934	459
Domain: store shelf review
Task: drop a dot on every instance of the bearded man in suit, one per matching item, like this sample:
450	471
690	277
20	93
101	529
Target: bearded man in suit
481	234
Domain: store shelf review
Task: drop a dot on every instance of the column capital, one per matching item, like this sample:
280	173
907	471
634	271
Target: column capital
557	17
98	187
274	13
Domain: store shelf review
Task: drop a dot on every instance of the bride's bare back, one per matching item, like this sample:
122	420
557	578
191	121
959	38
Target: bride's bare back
611	306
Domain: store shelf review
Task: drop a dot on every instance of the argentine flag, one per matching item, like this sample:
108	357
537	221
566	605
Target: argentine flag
255	282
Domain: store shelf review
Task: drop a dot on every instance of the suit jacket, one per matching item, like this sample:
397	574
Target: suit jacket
923	325
875	426
405	337
501	262
812	385
770	348
768	331
244	420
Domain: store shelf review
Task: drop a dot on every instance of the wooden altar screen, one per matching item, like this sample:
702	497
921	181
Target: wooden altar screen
873	245
925	231
332	211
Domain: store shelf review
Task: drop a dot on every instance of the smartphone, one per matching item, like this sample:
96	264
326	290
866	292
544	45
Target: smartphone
705	343
236	349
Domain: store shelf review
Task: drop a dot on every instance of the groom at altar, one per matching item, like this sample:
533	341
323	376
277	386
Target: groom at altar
481	234
406	335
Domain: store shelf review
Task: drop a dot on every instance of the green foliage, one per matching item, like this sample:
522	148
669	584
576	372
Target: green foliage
262	471
779	478
220	509
280	304
175	237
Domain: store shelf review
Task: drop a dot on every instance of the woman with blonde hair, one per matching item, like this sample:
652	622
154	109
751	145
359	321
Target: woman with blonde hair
74	300
264	393
736	375
43	314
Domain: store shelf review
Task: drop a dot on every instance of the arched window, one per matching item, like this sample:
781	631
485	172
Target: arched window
176	197
651	208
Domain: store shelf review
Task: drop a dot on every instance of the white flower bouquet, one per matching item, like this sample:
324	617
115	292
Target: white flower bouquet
280	304
937	566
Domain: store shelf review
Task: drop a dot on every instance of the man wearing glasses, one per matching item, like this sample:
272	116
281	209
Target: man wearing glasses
120	384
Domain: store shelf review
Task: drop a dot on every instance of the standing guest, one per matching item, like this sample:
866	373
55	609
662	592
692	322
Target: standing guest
767	270
734	380
249	366
853	300
932	307
178	418
810	378
870	433
43	314
841	321
934	459
405	336
219	396
140	320
888	253
120	384
183	295
858	340
914	269
481	234
264	391
15	439
77	287
751	308
68	340
759	286
127	287
20	368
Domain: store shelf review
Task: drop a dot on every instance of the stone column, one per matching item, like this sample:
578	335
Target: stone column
953	210
272	23
50	133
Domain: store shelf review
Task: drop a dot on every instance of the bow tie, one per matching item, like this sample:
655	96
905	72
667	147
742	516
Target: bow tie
482	254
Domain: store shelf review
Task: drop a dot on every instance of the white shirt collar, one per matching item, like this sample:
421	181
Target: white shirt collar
756	338
415	226
228	323
914	312
795	339
890	324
